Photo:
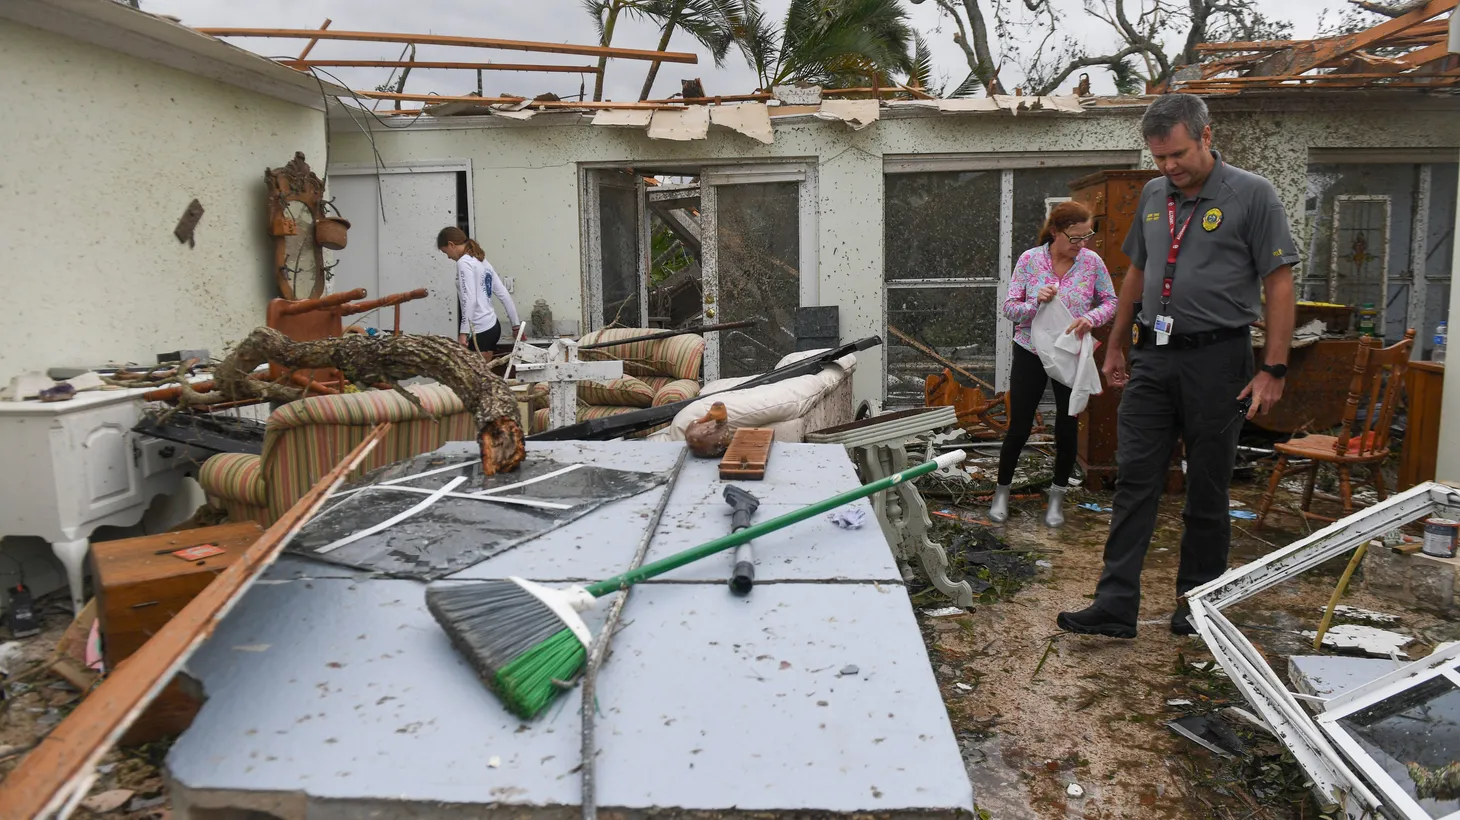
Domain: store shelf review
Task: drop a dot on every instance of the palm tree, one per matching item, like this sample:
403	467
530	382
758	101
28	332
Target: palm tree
831	43
705	20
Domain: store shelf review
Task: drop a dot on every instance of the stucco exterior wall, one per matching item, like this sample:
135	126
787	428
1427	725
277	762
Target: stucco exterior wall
102	154
527	201
527	205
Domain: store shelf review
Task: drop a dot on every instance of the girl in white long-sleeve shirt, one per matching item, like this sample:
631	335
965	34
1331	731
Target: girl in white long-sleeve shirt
476	284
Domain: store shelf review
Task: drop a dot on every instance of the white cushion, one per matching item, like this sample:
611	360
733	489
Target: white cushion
766	405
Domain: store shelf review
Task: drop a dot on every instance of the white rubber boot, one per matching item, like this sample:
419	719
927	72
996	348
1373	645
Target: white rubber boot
999	509
1054	515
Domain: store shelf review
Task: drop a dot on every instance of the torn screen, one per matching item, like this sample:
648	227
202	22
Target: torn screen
463	527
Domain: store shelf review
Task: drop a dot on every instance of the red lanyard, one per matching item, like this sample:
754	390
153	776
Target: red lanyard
1176	237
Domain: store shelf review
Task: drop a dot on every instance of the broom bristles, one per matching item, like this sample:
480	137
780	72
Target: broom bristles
516	643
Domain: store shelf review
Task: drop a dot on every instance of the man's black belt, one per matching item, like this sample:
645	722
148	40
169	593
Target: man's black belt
1143	336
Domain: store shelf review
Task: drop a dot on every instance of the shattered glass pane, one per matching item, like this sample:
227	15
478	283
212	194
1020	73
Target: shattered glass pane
1414	737
455	533
942	225
676	282
618	225
957	322
758	241
1032	187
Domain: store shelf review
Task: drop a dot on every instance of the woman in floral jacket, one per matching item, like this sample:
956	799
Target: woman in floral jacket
1060	266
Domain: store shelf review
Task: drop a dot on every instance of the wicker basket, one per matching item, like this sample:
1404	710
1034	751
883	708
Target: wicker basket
331	232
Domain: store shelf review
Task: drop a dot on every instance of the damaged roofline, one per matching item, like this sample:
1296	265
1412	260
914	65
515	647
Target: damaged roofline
340	117
119	27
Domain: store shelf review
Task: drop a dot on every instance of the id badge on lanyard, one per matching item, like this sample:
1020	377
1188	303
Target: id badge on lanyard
1165	326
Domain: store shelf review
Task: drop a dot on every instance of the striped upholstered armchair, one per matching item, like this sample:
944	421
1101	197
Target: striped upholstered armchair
304	439
657	372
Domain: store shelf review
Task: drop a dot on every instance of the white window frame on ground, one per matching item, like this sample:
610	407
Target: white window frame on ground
1383	302
1334	778
1006	163
1442	663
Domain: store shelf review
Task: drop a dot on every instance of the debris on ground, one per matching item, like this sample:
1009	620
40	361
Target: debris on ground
1368	640
1211	733
1353	613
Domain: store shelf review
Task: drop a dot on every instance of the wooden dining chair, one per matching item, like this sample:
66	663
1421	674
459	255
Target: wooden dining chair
1378	378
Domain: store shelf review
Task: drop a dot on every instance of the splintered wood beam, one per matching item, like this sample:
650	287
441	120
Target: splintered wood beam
442	99
1428	54
449	40
1402	81
57	773
308	47
1339	46
558	69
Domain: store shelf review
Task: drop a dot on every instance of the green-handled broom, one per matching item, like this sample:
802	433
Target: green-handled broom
526	640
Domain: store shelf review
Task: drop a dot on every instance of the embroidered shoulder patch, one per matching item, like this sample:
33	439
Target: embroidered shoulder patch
1211	219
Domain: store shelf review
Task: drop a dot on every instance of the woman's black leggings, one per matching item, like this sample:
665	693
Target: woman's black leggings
1026	387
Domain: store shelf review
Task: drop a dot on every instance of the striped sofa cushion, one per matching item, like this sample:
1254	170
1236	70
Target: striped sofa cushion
678	357
677	390
234	477
307	438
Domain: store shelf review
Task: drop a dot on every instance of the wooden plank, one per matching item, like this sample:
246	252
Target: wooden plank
313	41
57	773
1338	46
748	453
1428	54
561	69
442	99
1323	78
449	40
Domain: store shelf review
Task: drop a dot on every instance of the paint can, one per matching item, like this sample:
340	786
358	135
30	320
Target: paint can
1440	537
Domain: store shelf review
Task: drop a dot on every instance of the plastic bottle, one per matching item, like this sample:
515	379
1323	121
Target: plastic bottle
1441	337
1367	314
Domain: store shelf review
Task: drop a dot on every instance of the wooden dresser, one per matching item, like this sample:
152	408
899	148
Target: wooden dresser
140	586
1113	197
1424	384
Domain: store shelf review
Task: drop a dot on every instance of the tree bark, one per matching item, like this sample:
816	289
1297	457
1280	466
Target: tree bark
373	360
669	26
607	40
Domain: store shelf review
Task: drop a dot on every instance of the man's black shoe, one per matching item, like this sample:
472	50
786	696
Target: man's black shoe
1181	619
1092	620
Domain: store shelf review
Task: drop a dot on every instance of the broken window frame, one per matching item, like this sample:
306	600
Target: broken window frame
1442	663
1333	778
1006	163
711	173
713	177
592	179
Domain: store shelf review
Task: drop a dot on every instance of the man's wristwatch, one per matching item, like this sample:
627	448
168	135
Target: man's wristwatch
1277	371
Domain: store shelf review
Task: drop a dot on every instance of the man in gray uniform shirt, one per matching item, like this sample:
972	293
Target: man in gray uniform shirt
1209	242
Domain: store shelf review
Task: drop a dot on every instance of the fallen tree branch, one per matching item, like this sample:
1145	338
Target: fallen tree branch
368	361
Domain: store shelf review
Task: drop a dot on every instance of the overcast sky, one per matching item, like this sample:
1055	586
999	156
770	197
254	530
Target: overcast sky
565	21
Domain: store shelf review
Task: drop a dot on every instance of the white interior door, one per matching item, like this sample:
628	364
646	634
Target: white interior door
357	196
417	207
395	214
